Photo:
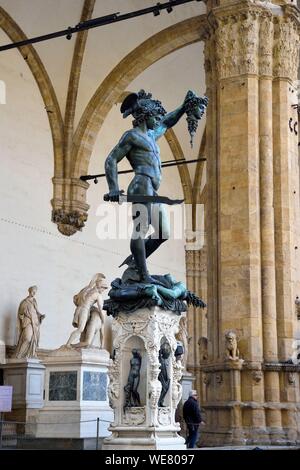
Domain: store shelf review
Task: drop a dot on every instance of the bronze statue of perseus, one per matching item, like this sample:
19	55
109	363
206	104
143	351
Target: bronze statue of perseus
139	146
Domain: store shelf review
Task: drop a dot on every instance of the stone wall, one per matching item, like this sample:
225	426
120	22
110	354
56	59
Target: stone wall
33	251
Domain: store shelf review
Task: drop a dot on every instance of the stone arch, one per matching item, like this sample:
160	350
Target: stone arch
150	51
74	78
15	33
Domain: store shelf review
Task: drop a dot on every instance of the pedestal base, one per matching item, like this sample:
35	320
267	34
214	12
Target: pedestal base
27	379
2	352
143	440
144	345
75	395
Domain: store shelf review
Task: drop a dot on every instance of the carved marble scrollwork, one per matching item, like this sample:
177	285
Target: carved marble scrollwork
154	385
164	416
135	416
177	387
114	381
150	327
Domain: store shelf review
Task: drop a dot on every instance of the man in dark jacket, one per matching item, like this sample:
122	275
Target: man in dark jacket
192	417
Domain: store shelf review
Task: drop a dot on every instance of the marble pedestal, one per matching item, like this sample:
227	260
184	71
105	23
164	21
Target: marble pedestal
27	379
2	352
75	394
147	426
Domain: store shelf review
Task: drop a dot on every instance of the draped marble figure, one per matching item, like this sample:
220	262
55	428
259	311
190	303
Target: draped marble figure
29	321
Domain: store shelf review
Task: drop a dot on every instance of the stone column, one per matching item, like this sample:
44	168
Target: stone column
247	143
189	263
286	205
286	179
266	189
273	415
196	318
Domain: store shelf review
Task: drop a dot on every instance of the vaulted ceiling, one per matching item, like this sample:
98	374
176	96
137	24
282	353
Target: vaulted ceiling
85	71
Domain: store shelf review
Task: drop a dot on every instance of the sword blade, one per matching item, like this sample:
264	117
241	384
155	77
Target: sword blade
143	199
152	199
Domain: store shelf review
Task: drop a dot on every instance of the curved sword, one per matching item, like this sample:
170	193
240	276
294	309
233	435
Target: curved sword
144	199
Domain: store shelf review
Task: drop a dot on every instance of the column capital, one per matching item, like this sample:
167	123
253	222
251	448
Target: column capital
250	38
286	43
235	28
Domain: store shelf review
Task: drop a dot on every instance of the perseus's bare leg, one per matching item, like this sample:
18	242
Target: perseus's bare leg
161	225
141	213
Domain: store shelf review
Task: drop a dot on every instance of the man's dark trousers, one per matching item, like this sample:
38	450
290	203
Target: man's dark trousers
192	436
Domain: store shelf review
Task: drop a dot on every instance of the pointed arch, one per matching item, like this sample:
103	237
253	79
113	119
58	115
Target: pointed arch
15	33
143	56
78	53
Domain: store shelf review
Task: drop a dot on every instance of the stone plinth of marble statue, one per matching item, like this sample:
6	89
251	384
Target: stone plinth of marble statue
26	375
75	394
2	352
144	425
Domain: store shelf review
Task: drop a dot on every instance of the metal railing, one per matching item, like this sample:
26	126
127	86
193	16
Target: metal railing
33	435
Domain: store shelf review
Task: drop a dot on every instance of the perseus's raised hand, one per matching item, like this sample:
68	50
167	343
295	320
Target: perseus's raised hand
195	104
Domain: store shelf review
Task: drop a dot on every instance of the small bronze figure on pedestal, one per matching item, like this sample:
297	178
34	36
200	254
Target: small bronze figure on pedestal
164	354
132	397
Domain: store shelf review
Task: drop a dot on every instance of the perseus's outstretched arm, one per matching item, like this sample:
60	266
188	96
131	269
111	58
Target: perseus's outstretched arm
168	121
191	104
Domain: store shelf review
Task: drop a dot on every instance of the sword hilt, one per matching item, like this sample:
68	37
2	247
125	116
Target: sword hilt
116	198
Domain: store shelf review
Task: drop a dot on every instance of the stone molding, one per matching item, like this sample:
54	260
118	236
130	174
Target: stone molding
278	367
251	404
273	367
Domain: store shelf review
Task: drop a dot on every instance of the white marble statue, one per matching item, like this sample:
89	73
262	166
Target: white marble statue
29	320
183	337
89	319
